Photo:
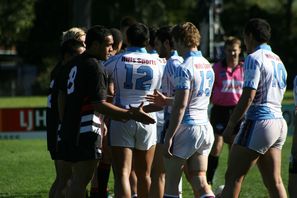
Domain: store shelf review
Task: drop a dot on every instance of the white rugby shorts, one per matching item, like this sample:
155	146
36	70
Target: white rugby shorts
261	135
133	134
190	139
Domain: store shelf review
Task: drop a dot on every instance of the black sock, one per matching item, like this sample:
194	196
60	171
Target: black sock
103	176
213	162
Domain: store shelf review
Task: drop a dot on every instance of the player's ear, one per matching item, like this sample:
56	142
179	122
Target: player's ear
167	43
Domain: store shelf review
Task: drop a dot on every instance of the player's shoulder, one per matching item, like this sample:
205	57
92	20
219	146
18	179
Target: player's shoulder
176	60
113	59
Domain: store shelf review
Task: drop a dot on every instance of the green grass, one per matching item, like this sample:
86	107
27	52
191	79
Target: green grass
41	101
27	171
30	101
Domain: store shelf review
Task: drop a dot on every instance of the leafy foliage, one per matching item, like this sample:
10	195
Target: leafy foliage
35	26
16	17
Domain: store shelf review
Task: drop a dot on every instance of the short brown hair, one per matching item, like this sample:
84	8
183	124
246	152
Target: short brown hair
188	33
231	40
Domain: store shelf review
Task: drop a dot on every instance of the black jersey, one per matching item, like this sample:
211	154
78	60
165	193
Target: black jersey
52	114
84	83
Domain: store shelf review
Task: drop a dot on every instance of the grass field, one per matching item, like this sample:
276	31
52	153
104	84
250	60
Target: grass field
41	101
27	170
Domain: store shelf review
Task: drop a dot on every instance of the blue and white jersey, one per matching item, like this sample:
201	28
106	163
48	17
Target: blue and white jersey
295	93
265	72
136	74
168	85
195	74
159	114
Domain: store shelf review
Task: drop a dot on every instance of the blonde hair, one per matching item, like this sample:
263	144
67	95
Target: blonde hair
188	33
72	33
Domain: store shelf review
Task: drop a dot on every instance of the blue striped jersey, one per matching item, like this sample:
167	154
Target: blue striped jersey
168	85
265	72
195	74
136	74
162	61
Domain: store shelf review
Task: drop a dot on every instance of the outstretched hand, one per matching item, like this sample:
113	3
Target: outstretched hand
137	113
157	98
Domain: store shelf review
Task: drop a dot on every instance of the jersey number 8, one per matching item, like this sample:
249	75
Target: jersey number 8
70	82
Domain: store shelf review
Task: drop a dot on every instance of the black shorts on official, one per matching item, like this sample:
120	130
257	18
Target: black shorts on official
219	117
88	148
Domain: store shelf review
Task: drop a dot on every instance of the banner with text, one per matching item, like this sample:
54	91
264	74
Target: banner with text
31	122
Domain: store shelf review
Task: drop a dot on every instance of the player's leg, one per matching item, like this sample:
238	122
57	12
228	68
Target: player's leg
142	166
122	163
101	175
197	162
64	173
292	190
173	172
274	132
158	170
94	184
158	174
188	177
270	167
133	181
52	190
82	172
218	123
197	166
143	155
241	159
292	183
213	158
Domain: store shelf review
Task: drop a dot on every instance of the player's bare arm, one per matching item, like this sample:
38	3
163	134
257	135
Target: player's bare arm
245	101
123	114
159	99
179	106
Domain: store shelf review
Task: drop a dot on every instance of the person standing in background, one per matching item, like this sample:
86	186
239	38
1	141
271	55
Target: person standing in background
226	92
189	136
264	130
84	83
136	73
74	33
72	44
164	47
99	183
69	49
125	23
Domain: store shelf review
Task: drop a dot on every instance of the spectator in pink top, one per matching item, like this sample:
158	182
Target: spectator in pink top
227	90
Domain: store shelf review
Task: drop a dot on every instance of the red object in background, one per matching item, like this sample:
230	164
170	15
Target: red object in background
22	119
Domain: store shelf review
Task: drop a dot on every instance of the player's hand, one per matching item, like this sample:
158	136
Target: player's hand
228	134
167	148
157	99
137	113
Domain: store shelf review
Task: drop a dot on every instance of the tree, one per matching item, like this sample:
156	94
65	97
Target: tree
16	18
